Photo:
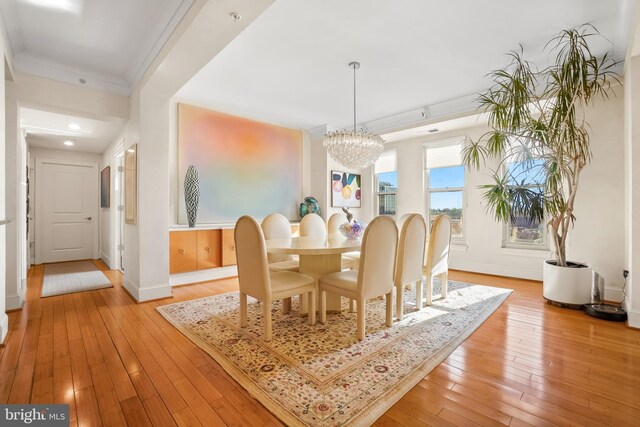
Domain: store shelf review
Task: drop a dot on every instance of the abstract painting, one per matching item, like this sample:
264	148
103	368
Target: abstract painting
105	187
245	167
345	189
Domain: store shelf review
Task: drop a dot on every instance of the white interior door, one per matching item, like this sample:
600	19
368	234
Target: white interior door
66	211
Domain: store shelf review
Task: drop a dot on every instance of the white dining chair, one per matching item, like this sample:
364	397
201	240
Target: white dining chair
335	220
374	276
437	264
312	225
350	260
257	281
410	261
277	226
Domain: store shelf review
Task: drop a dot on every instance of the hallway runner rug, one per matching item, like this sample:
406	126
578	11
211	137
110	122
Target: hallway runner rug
76	276
322	375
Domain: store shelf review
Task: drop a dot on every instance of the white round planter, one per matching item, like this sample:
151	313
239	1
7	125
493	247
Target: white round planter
567	285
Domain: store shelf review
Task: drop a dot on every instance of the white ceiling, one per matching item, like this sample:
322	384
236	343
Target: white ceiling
109	43
50	130
289	67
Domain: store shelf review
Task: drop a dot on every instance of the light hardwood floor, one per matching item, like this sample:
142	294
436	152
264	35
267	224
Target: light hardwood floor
120	363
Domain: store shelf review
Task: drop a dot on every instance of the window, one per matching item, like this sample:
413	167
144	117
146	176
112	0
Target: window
522	232
386	183
445	183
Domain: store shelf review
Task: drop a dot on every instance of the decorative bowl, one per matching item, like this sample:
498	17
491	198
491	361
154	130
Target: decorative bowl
352	230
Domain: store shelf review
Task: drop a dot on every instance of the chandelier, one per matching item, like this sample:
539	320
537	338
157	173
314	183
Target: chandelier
354	149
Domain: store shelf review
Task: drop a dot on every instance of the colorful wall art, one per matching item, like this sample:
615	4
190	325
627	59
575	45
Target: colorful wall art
345	189
245	167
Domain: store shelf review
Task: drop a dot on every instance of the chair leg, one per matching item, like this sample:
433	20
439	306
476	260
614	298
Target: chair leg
389	298
267	320
286	305
419	300
243	310
352	305
429	289
361	319
323	307
312	307
444	283
399	311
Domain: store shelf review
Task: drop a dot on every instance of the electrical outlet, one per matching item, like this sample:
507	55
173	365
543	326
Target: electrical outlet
625	273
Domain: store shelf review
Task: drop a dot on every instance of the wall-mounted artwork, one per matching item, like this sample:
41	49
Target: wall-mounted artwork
131	184
345	189
244	167
105	187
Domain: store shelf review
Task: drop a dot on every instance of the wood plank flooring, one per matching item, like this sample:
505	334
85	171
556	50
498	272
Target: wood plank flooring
119	363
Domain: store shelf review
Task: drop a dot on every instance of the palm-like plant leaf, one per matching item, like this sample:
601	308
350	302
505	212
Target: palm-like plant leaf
536	118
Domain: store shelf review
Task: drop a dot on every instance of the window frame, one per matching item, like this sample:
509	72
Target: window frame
507	226
455	240
387	193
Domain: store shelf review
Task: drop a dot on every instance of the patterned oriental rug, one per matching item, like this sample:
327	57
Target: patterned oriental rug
322	375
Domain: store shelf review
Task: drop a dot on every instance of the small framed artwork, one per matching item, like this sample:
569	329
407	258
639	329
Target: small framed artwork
105	187
345	189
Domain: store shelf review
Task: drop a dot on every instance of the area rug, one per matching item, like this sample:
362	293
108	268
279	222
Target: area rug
322	375
77	276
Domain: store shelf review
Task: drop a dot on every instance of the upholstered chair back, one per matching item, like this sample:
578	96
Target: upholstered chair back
411	248
276	226
334	223
251	253
312	225
378	257
439	244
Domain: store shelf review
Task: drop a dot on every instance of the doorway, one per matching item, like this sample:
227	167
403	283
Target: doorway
66	211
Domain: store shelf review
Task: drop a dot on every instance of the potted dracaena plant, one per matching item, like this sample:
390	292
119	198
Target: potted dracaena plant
540	134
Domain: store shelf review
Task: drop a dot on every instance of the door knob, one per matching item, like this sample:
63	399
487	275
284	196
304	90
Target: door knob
88	218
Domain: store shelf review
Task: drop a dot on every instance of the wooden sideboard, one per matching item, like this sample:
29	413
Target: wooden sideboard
192	250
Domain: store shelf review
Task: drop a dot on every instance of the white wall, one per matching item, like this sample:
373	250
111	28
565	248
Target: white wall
598	237
632	186
4	320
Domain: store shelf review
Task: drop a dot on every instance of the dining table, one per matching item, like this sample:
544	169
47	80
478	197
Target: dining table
318	256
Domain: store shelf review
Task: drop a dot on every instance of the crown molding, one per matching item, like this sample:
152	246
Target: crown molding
29	64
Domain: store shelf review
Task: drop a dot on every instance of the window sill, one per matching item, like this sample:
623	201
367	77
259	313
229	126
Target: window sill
527	252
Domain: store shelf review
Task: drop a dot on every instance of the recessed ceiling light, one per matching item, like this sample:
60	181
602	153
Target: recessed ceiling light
69	142
74	126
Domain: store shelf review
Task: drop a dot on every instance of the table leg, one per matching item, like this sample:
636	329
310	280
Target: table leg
317	266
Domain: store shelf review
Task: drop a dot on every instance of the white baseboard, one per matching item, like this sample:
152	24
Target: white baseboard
4	326
613	294
14	302
147	294
633	317
203	275
498	270
106	259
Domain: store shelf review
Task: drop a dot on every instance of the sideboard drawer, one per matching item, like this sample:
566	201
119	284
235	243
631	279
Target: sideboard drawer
228	247
182	250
